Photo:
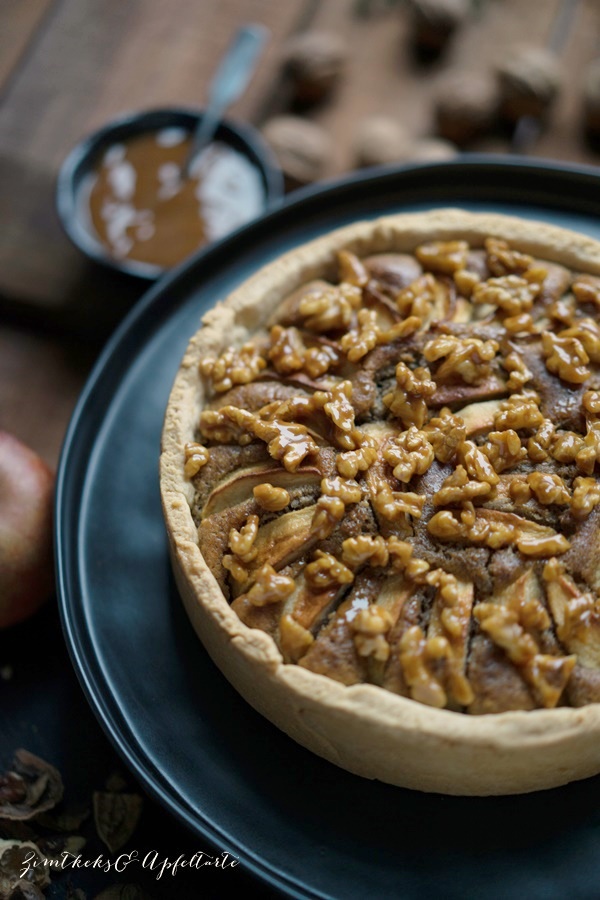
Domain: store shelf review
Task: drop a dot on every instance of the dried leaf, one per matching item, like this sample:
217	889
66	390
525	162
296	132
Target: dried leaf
30	787
123	892
15	857
116	817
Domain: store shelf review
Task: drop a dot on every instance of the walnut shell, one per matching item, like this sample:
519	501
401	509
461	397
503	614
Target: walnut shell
302	148
434	21
466	106
314	62
529	80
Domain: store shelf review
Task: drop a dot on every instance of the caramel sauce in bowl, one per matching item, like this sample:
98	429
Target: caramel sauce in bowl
122	200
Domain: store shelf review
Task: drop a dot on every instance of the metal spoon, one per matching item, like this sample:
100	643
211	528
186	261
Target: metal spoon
228	84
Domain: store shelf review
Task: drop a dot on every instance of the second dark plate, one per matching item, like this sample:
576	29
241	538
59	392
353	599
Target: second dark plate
297	822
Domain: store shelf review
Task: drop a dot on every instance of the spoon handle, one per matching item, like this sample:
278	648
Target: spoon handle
228	83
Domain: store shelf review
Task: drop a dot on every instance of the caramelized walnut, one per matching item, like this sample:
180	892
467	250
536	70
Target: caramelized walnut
402	559
271	498
504	450
325	571
350	463
538	446
511	294
459	488
330	309
519	374
443	256
408	401
548	488
370	626
591	402
196	456
519	411
410	453
467	359
548	675
501	530
269	587
288	442
586	495
477	463
289	354
233	367
394	505
586	289
241	543
445	433
587	332
365	549
565	357
502	260
589	454
337	407
369	335
329	511
418	298
416	658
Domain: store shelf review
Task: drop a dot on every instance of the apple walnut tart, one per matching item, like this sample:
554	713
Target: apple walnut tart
380	478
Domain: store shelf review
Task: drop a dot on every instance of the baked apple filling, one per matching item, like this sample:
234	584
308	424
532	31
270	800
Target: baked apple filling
397	479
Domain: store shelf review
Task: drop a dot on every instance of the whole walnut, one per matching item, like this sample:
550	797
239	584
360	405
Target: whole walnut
466	106
314	62
435	21
379	141
591	95
301	147
529	81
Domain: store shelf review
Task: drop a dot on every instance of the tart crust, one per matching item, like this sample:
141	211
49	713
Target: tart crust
364	728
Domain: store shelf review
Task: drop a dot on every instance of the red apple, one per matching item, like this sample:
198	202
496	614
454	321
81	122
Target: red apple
26	556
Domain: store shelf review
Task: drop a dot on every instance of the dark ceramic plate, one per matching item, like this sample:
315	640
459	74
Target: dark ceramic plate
299	823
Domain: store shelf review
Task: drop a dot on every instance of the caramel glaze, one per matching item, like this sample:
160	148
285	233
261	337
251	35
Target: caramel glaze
141	209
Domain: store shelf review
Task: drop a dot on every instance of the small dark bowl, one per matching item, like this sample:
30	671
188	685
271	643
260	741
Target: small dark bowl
85	156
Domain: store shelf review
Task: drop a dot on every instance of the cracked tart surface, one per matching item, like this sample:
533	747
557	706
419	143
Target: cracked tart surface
380	479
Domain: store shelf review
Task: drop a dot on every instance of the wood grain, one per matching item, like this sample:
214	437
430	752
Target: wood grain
21	20
94	61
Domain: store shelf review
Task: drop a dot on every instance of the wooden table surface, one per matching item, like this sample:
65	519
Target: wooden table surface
68	66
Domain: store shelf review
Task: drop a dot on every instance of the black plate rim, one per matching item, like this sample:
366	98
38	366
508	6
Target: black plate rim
112	724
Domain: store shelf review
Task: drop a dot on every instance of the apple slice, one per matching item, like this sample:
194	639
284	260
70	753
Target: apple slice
479	417
288	312
238	487
280	542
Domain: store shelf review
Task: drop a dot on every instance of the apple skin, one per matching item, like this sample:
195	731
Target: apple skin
26	545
